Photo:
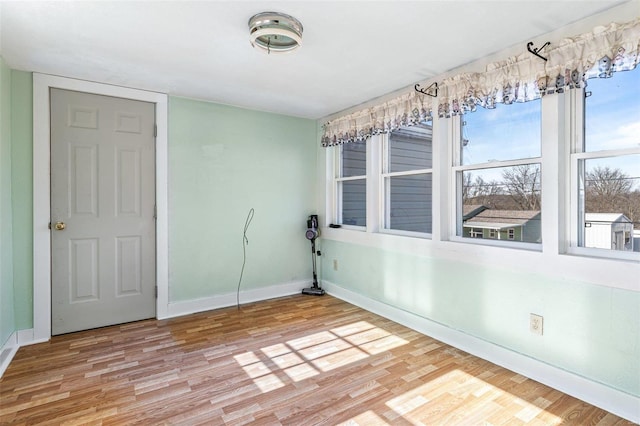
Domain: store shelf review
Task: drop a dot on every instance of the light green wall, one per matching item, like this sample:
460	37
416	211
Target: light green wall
590	330
22	184
222	162
7	319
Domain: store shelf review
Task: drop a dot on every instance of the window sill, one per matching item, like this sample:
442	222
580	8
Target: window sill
512	245
604	254
350	228
410	234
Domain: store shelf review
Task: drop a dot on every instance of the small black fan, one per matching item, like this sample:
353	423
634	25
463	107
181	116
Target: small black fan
311	234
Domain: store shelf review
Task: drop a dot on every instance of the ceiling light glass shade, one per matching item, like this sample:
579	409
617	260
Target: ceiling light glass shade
275	32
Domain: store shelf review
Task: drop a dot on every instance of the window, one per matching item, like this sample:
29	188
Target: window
497	168
475	233
605	166
406	176
351	182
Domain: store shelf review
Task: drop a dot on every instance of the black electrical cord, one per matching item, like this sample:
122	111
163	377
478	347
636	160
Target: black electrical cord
245	242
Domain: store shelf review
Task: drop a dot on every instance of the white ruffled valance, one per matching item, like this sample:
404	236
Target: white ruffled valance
571	61
405	110
501	82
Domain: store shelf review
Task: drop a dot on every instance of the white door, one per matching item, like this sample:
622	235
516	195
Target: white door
619	240
102	211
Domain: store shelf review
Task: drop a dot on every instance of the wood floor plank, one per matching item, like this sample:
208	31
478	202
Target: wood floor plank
297	360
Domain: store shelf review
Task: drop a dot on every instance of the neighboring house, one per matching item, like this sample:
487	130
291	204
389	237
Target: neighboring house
510	225
612	231
471	210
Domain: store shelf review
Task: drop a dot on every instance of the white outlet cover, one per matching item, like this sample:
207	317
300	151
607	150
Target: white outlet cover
536	323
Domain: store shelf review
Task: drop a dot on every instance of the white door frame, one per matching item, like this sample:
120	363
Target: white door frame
42	184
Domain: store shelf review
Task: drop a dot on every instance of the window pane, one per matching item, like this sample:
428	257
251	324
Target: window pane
354	159
611	191
507	132
612	112
502	203
354	205
410	202
410	148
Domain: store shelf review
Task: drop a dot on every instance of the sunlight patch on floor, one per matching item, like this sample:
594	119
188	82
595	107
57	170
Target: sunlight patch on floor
268	382
530	411
301	372
436	401
311	340
351	329
306	356
368	418
340	359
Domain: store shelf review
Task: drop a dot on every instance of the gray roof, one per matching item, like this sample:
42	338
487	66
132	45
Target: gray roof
502	218
606	217
470	210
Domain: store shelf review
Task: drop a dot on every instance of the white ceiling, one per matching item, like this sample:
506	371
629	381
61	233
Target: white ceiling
353	51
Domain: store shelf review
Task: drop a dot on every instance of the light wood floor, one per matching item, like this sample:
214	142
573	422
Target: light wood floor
300	360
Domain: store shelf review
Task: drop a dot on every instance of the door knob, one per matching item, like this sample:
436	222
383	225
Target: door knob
60	226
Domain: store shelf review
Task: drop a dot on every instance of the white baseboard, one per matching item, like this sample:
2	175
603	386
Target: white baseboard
14	342
187	307
8	351
26	337
617	402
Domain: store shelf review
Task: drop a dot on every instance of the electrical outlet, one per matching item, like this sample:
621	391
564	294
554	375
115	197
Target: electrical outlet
335	264
535	324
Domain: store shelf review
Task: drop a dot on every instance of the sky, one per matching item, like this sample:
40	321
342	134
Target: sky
613	120
513	131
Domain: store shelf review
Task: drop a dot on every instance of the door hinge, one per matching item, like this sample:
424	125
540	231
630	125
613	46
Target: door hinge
155	130
156	291
155	212
49	225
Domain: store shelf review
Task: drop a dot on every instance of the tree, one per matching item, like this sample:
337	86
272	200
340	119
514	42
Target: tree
607	183
479	191
610	190
522	184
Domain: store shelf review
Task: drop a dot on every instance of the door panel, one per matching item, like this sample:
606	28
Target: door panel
83	271
103	191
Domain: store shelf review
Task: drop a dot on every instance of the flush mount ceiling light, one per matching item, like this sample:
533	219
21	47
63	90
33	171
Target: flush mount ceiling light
275	32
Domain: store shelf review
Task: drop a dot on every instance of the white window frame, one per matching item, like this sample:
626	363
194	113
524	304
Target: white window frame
577	157
338	179
457	168
384	191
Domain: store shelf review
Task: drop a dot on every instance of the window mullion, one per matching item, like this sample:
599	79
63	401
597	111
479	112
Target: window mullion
454	142
385	192
331	194
575	222
346	179
606	154
498	164
553	186
374	164
407	173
